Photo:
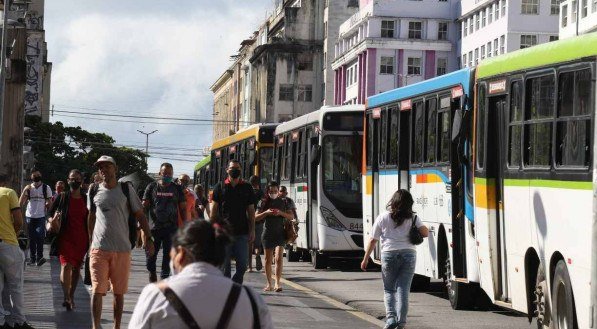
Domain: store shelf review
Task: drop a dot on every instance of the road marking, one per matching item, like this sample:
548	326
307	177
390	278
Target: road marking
342	306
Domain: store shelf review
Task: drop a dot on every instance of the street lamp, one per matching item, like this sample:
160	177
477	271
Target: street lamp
146	142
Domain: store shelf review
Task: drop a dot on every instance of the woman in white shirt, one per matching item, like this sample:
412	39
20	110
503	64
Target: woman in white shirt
398	254
198	294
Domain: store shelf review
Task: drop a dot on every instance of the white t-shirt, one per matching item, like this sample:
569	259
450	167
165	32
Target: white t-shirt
36	207
392	237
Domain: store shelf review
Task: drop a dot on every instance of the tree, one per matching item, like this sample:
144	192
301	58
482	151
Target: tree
58	149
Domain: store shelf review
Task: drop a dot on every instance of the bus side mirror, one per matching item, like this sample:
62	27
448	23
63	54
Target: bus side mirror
457	124
315	154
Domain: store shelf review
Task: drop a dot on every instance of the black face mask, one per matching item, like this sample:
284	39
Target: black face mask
37	179
234	173
74	185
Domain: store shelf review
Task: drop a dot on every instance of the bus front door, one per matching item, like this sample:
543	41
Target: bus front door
312	203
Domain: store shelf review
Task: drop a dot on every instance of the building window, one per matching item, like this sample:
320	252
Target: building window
483	52
555	7
574	12
530	7
305	93
442	64
489	14
564	15
470	25
489	49
414	30
553	38
483	18
386	65
495	47
502	44
594	6
464	60
414	66
585	8
476	56
387	29
527	40
442	31
477	21
286	93
497	11
504	8
465	28
305	61
470	58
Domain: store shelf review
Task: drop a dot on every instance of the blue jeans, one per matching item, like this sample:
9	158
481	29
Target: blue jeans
11	284
161	238
36	227
239	249
397	270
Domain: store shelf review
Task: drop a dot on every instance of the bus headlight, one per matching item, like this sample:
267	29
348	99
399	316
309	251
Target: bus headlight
331	220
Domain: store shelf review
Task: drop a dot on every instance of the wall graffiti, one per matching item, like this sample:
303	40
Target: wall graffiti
33	85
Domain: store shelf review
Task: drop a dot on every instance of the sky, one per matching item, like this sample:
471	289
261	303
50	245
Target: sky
145	58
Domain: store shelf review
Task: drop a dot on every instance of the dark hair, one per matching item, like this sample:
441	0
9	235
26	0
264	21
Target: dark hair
3	178
76	172
282	187
233	161
167	165
34	169
205	241
401	206
254	180
273	184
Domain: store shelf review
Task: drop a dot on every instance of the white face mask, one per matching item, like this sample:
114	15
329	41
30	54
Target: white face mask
273	196
173	270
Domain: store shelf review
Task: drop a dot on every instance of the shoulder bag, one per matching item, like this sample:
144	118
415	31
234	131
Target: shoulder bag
53	224
415	236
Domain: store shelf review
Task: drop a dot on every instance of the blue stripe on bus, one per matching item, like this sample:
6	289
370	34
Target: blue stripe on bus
460	77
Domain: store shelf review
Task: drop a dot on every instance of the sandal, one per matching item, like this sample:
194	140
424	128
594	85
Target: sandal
278	289
268	288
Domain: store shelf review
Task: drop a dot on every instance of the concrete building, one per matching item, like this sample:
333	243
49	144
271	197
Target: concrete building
388	44
494	27
223	115
577	17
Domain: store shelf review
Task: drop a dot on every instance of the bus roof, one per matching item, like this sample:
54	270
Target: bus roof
315	116
461	77
250	131
541	55
204	162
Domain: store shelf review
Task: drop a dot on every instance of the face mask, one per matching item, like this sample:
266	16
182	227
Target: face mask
273	196
234	173
37	179
173	270
74	185
167	179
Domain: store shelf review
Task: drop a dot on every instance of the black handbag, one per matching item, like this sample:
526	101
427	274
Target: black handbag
415	236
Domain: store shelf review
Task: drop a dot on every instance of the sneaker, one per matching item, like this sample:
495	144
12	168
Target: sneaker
258	264
391	324
153	277
32	262
41	261
24	325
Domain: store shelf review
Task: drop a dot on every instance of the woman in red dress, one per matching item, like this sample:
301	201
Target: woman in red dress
73	240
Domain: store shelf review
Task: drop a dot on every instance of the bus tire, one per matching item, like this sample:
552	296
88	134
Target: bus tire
459	295
319	261
292	255
305	255
563	314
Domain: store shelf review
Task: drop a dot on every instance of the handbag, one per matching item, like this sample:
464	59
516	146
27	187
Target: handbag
53	224
414	235
290	232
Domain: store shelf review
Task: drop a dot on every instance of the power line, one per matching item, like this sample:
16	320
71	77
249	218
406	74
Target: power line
147	122
47	139
150	117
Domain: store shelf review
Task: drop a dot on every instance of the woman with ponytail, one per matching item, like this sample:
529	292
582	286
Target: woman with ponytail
197	292
398	254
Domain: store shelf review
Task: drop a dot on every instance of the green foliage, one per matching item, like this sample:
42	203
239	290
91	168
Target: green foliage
58	149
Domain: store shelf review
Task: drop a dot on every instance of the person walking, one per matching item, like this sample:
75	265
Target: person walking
291	204
37	196
11	259
189	196
233	206
198	250
58	188
165	200
398	254
274	211
72	240
256	247
201	203
109	208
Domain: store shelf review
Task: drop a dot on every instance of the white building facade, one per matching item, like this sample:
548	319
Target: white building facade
577	17
388	44
494	27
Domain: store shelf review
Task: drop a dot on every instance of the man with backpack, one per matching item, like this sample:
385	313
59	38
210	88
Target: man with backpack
37	196
110	206
165	200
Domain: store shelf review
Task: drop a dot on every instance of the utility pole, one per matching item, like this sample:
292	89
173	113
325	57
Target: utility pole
146	143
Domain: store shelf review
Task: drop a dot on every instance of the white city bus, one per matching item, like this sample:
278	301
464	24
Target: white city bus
318	158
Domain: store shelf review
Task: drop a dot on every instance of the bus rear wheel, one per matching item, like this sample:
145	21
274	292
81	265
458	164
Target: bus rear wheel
292	255
319	261
563	313
458	292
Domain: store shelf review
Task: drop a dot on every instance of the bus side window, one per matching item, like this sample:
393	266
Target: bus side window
418	133
515	125
538	123
481	114
443	131
370	140
431	114
392	157
383	138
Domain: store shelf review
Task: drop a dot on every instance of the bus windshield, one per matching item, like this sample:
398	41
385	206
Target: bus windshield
341	164
265	160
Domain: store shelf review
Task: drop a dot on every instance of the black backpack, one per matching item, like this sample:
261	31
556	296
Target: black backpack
124	186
